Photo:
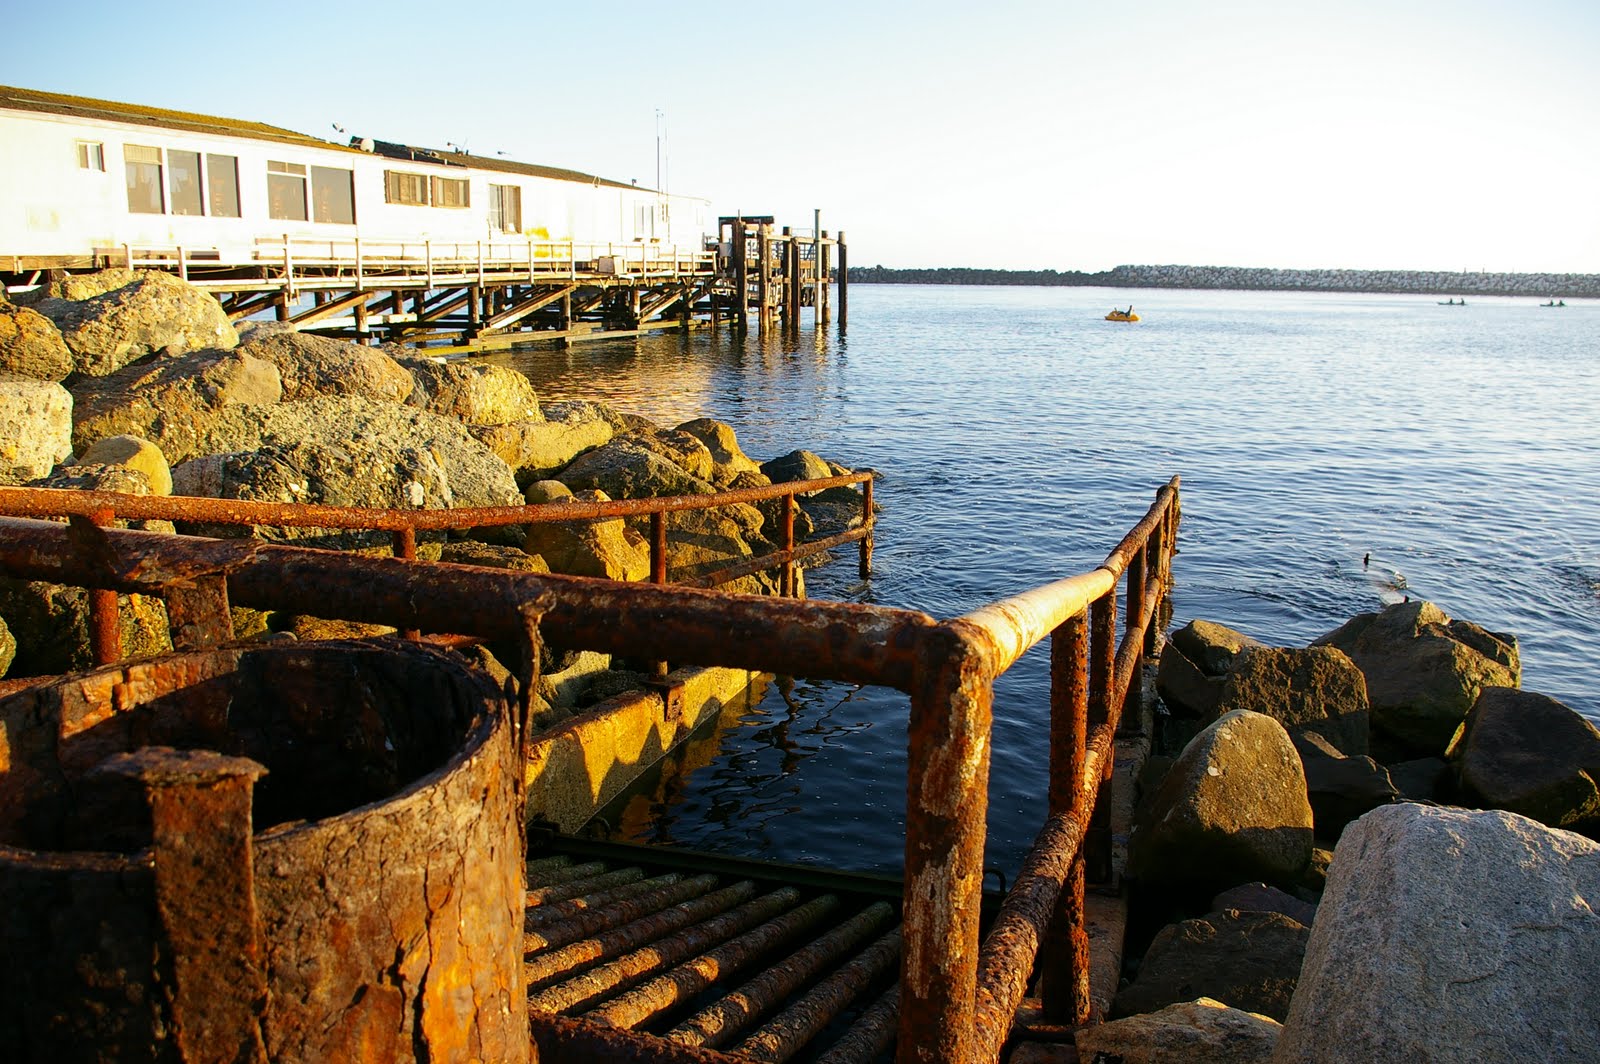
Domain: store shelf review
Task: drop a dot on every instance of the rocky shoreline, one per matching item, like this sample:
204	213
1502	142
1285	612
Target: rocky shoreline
138	383
1374	848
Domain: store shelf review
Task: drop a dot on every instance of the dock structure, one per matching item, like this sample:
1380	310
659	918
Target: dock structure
493	294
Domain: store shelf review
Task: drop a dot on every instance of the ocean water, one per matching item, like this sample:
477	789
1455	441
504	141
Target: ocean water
1018	435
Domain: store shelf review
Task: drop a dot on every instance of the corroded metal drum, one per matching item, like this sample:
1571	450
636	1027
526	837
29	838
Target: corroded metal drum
284	851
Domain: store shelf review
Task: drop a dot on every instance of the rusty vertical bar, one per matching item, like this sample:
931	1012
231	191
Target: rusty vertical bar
947	795
866	522
658	566
787	587
405	546
105	627
1102	676
1138	573
1064	952
205	896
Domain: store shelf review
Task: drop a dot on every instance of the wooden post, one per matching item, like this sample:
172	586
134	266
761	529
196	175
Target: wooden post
763	276
741	276
361	321
844	281
823	316
786	279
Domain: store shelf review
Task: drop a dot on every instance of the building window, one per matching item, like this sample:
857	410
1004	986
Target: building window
222	174
187	197
505	208
144	178
286	191
91	155
450	192
333	197
407	189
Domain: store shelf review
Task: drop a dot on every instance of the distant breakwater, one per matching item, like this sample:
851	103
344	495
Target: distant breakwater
1543	285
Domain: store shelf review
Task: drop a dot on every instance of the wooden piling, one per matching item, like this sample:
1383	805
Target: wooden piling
844	271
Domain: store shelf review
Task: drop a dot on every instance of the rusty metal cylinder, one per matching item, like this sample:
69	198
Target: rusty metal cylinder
379	916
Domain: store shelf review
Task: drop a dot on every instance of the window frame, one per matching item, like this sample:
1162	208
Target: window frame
91	155
278	189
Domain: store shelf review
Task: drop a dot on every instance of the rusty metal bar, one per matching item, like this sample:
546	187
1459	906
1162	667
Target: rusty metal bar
567	908
597	982
105	622
573	888
562	1040
787	1034
690	978
947	792
536	868
557	875
55	502
870	1035
1065	961
594	921
205	896
715	1025
826	640
756	563
549	967
1117	560
787	582
868	520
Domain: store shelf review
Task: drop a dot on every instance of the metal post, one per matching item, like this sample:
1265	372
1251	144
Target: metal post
867	523
1064	953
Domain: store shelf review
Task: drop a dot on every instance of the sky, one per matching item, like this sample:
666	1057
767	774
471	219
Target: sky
1069	135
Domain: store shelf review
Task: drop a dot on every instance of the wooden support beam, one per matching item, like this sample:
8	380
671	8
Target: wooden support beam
323	307
536	301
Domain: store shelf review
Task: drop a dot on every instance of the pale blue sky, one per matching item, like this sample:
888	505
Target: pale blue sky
1401	134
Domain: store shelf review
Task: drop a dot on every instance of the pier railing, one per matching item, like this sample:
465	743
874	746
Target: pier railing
378	262
103	508
958	995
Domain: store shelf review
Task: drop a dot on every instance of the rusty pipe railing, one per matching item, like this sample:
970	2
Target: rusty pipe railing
966	1014
103	508
957	995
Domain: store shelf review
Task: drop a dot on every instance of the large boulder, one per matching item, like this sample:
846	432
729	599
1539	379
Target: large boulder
8	647
728	460
350	451
1529	754
1213	647
135	453
1249	960
1202	1031
51	626
1317	689
585	548
154	314
699	542
312	365
1232	809
35	427
797	465
1451	936
1185	688
1342	789
473	392
627	469
682	449
31	345
1424	670
1261	898
539	448
188	405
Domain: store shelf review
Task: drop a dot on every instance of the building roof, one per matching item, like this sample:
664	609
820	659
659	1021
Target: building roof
17	99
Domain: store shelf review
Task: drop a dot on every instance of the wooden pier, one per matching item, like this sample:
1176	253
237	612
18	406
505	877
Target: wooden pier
494	294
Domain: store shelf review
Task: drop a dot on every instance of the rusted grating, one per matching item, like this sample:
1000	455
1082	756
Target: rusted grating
704	957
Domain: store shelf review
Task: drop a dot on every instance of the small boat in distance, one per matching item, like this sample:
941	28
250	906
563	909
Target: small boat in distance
1454	302
1554	303
1122	315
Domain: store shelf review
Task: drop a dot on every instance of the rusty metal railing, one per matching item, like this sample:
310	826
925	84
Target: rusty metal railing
957	996
102	508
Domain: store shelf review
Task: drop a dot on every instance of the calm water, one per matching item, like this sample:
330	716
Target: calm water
1018	436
